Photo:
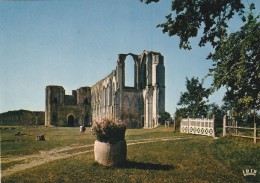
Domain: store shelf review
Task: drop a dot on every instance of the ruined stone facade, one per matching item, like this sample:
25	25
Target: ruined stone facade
139	106
67	110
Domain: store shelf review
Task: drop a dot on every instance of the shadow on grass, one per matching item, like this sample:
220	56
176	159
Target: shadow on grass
139	165
145	166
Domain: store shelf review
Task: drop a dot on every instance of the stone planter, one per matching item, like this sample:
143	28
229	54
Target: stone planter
110	154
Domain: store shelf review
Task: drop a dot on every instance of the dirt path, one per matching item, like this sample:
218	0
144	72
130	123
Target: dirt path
30	161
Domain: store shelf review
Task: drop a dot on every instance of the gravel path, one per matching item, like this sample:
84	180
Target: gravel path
33	160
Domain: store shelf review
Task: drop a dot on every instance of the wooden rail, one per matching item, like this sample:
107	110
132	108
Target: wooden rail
243	136
236	127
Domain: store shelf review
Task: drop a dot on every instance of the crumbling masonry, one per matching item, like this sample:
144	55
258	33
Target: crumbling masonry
139	106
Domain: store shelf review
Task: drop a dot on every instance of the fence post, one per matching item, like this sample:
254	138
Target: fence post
236	127
200	125
214	127
188	124
233	125
174	124
224	125
255	133
181	126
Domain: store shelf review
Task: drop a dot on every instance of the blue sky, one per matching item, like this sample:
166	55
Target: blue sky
76	43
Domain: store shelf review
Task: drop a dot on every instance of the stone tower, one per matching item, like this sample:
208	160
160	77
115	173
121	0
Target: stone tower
54	99
67	110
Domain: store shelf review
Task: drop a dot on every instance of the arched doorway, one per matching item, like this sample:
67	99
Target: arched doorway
71	121
86	122
86	101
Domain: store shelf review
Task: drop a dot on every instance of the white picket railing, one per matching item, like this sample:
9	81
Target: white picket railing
198	126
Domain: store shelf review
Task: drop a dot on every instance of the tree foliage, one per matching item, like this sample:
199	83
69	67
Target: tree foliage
218	113
164	117
237	66
191	15
236	62
194	100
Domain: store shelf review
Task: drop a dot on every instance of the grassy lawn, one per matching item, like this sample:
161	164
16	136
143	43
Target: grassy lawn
190	159
26	143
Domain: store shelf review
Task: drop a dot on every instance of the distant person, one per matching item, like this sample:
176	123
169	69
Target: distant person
83	129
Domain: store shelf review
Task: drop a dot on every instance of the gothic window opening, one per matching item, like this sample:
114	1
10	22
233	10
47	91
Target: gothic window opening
86	121
129	71
55	100
54	118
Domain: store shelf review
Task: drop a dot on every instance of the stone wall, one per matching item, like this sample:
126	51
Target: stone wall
67	110
139	106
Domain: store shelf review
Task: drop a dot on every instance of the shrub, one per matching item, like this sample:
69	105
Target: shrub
108	131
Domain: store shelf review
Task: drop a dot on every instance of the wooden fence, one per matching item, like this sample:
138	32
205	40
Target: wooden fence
198	126
229	123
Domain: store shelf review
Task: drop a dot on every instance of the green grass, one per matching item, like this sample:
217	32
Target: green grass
193	159
26	143
5	166
59	137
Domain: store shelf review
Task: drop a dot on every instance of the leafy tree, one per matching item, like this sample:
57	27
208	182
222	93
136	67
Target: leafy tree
235	57
192	15
194	99
164	117
218	112
237	66
181	112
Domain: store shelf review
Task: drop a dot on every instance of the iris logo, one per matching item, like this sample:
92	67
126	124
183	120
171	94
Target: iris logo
249	172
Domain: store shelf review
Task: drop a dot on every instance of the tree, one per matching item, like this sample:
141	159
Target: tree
218	113
194	99
236	62
164	117
192	15
237	67
179	114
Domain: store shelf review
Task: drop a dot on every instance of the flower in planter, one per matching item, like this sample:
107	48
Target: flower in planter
108	131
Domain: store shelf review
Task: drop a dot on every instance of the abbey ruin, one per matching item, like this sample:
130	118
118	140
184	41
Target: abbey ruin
139	106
